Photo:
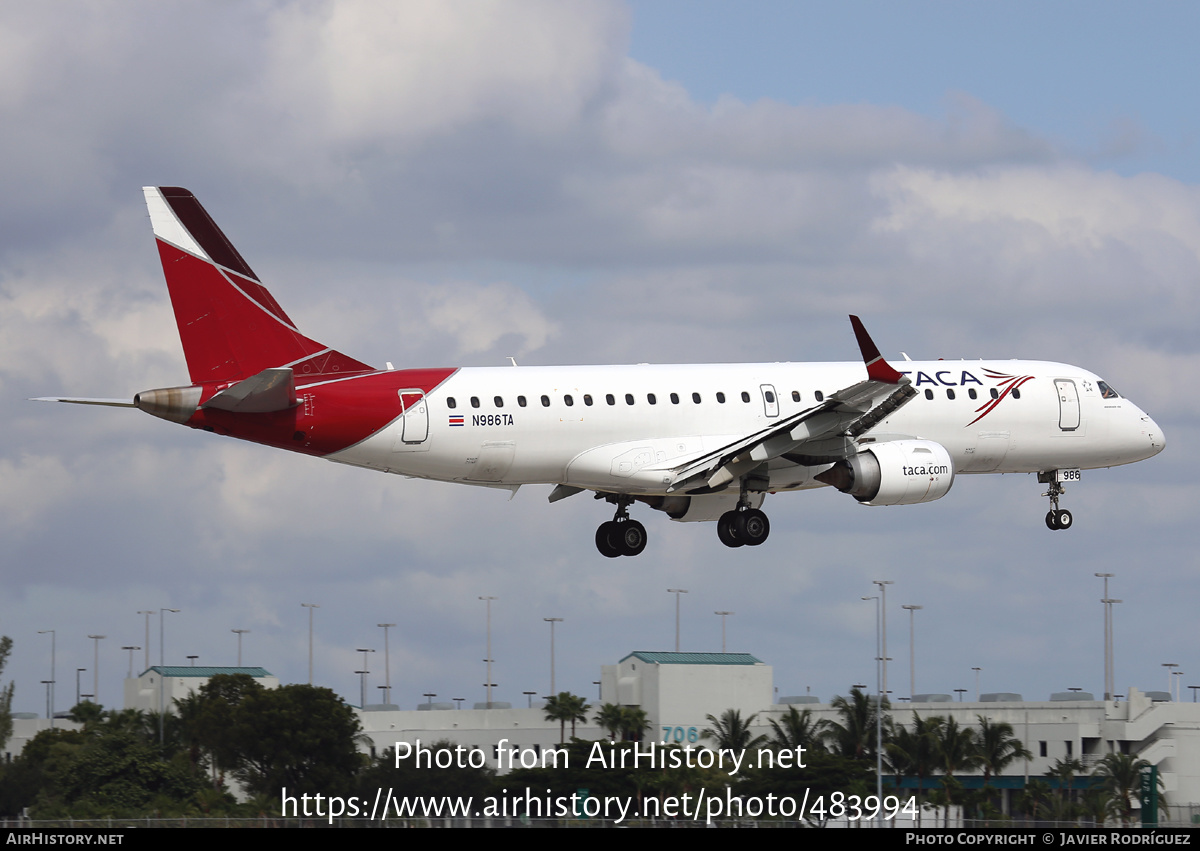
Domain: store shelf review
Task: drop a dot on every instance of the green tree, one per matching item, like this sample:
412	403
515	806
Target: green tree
1063	771
6	693
1121	775
913	751
297	736
797	729
854	736
730	732
88	714
610	717
997	747
634	724
956	751
564	707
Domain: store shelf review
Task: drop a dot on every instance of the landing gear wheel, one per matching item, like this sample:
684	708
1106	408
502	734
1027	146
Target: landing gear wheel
1063	519
726	529
606	538
631	537
1052	520
752	527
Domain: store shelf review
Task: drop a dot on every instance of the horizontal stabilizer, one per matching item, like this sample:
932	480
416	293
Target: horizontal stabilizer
270	390
79	400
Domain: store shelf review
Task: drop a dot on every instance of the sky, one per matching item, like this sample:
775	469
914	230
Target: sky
593	182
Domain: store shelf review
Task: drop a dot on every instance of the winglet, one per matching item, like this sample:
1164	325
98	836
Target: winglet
877	368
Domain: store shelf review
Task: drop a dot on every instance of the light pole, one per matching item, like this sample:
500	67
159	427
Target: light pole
1108	637
723	616
878	695
96	668
883	584
146	645
387	663
366	670
310	607
50	689
240	633
676	592
552	622
1170	666
912	650
78	696
976	670
489	683
162	655
130	648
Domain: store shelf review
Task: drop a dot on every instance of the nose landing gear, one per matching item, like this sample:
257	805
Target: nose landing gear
1056	518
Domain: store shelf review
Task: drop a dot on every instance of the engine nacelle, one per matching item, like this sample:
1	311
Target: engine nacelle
898	472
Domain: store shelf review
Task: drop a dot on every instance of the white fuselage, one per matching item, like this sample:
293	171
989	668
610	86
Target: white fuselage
616	428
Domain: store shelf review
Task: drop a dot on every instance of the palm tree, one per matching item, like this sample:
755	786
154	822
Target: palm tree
913	753
956	751
634	724
564	707
1064	771
611	717
732	733
1121	776
854	737
997	747
797	730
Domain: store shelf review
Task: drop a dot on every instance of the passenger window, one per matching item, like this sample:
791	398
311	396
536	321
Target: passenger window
721	398
928	393
521	401
745	396
651	398
696	398
450	403
971	392
568	400
545	401
674	398
1016	394
587	399
770	397
628	398
795	395
949	393
819	396
995	393
474	401
610	399
499	400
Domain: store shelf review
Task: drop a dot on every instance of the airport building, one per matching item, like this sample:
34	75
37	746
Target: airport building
678	691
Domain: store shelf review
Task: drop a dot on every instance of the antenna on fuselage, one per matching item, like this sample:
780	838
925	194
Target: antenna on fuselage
512	360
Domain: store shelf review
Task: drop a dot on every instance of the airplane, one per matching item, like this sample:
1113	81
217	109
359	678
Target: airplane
699	442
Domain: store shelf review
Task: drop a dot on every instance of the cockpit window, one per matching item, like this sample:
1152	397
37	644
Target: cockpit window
1106	392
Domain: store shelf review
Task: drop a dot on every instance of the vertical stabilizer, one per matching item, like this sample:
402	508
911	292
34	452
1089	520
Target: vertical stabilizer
230	326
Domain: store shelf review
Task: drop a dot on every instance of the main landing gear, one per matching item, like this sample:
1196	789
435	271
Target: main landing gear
744	526
1056	518
621	536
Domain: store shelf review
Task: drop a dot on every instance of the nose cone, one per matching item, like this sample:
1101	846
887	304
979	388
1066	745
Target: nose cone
1158	441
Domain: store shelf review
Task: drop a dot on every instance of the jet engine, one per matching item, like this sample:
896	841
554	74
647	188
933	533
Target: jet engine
898	472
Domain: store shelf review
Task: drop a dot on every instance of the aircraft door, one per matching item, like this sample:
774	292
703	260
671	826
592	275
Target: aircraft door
414	421
770	400
1068	404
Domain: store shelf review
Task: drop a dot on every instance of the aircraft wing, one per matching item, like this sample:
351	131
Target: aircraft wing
820	434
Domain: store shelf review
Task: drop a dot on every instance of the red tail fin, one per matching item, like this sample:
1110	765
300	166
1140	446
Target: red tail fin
230	326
